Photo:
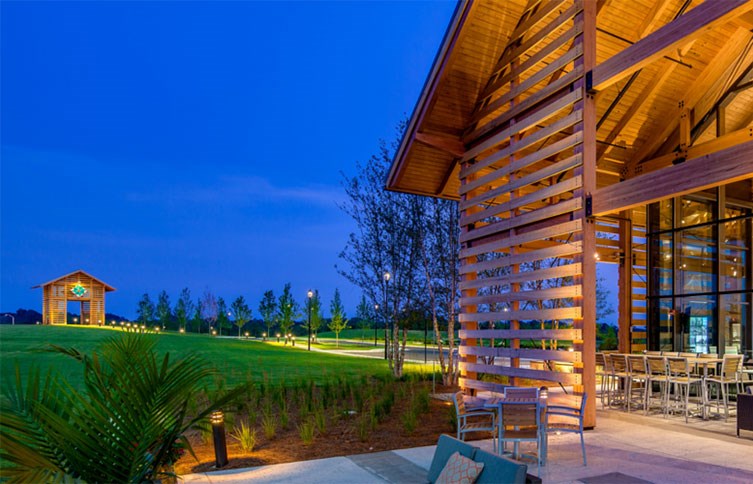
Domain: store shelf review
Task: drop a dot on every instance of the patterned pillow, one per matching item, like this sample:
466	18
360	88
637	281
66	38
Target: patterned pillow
459	470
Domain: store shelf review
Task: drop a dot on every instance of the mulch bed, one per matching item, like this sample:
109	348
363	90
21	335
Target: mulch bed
340	438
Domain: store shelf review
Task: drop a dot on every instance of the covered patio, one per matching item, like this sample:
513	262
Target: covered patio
573	132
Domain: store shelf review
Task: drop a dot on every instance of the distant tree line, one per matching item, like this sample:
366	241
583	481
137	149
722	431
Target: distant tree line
276	315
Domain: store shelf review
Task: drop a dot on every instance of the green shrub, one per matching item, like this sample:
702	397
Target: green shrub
306	431
269	425
246	436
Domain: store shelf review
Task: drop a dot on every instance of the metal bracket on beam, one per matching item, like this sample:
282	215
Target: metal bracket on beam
590	83
589	206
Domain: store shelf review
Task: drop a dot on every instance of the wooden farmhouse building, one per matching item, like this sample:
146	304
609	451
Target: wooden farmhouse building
574	132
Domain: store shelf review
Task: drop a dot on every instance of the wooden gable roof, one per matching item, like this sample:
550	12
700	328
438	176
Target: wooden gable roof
108	288
707	75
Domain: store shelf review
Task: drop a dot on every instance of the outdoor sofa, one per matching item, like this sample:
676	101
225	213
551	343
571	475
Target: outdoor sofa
497	469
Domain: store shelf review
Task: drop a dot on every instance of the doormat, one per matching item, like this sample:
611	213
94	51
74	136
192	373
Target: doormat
613	478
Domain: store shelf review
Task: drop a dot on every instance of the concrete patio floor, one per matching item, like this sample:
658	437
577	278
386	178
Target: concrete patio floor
636	447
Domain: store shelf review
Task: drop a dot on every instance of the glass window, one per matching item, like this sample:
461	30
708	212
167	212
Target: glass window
695	325
695	211
696	256
735	311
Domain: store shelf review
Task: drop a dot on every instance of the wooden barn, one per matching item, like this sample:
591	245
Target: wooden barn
79	287
574	132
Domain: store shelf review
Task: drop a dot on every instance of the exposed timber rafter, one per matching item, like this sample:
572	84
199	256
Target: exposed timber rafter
705	84
677	33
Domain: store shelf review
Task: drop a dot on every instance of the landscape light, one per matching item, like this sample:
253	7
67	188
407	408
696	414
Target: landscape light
310	294
182	330
217	419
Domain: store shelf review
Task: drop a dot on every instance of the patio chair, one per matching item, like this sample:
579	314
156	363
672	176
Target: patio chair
730	374
637	381
521	422
656	367
474	421
620	378
565	414
681	379
602	374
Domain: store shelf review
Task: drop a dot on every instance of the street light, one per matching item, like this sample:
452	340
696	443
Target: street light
310	294
12	318
376	318
386	278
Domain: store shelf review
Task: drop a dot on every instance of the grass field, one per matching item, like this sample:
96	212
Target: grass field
414	336
236	359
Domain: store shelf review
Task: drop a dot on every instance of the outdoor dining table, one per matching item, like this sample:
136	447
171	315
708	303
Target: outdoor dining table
499	403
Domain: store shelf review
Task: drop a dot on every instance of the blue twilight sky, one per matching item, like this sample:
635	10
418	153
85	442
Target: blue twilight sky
162	145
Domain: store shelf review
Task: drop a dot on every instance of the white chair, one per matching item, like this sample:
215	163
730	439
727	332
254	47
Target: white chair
565	414
474	421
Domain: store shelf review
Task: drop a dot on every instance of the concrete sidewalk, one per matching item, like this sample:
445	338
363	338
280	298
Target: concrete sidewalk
622	449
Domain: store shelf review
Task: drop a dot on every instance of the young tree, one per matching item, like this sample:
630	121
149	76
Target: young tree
339	321
164	314
209	308
398	233
241	311
198	316
145	310
316	314
603	306
365	315
223	318
287	311
268	309
184	308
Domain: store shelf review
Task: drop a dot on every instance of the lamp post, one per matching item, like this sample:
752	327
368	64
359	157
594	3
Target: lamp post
310	294
12	318
376	318
386	278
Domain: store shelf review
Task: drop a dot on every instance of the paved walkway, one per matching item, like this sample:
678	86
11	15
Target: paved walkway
622	449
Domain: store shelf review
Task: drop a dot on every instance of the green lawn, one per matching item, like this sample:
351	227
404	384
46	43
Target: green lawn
237	359
414	335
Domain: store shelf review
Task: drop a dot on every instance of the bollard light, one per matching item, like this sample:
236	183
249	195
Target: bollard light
217	419
293	340
278	337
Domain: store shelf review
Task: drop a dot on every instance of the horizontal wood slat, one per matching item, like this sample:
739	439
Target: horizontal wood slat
535	315
523	162
563	250
567	334
531	62
528	103
524	219
525	142
525	353
568	270
565	186
559	63
564	378
483	386
540	234
524	124
535	39
544	294
554	169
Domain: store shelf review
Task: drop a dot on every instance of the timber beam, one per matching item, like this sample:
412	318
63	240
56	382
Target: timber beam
714	169
686	28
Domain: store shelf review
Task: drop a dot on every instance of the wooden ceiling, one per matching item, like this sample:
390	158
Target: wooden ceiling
704	86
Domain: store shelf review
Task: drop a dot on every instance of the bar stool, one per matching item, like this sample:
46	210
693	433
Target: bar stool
729	375
656	367
637	379
620	375
681	379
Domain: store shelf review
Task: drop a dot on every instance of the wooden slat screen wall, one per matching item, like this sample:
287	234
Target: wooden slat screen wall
523	225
